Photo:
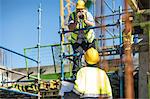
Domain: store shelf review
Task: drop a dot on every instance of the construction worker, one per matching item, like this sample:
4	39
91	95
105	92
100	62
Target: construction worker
91	81
83	39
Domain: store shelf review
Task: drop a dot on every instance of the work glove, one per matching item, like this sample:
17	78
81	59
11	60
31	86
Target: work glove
72	26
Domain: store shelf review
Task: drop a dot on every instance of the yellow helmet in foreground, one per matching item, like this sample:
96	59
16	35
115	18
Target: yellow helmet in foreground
80	4
92	56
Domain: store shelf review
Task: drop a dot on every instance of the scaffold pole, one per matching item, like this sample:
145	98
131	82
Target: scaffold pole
20	92
62	37
129	81
38	45
121	57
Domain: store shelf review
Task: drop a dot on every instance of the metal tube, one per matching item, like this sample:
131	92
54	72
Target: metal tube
19	73
26	62
38	45
113	18
53	45
104	16
16	81
129	81
109	32
18	54
109	6
62	37
53	58
102	34
20	92
106	49
94	27
121	54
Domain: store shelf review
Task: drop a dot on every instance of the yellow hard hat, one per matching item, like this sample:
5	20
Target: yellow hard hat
92	56
80	4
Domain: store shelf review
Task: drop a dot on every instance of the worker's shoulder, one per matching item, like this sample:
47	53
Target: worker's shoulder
88	13
92	68
102	71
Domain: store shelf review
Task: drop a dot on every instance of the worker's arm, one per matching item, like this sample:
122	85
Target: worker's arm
106	91
72	22
89	23
80	81
89	20
108	87
86	17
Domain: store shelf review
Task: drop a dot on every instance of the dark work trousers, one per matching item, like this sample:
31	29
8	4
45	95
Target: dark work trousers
90	98
72	95
80	46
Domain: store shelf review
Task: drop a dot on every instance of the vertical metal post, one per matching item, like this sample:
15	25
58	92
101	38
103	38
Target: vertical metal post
94	8
2	79
97	14
102	34
38	45
53	58
26	62
121	62
69	11
129	81
68	8
62	37
113	18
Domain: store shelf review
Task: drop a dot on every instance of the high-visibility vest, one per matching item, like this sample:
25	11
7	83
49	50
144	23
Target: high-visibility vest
92	81
89	35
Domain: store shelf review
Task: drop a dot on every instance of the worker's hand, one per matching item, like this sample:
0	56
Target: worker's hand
72	26
84	14
81	15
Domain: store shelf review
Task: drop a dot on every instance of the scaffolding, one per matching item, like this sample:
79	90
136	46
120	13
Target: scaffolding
113	43
117	24
18	73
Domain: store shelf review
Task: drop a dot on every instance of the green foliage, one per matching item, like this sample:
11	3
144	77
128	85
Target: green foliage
50	76
140	20
53	76
88	3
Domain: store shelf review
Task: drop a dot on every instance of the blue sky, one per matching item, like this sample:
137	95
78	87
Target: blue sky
19	21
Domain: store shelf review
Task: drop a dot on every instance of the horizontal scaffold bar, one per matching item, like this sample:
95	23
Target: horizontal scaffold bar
53	45
94	27
104	16
20	92
19	73
20	81
19	54
76	54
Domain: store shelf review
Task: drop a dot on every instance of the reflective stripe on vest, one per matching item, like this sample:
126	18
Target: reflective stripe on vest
88	33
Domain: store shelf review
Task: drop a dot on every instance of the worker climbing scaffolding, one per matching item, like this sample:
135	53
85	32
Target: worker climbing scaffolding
83	39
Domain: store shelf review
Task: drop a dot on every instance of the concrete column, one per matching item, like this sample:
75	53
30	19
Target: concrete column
143	62
144	65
